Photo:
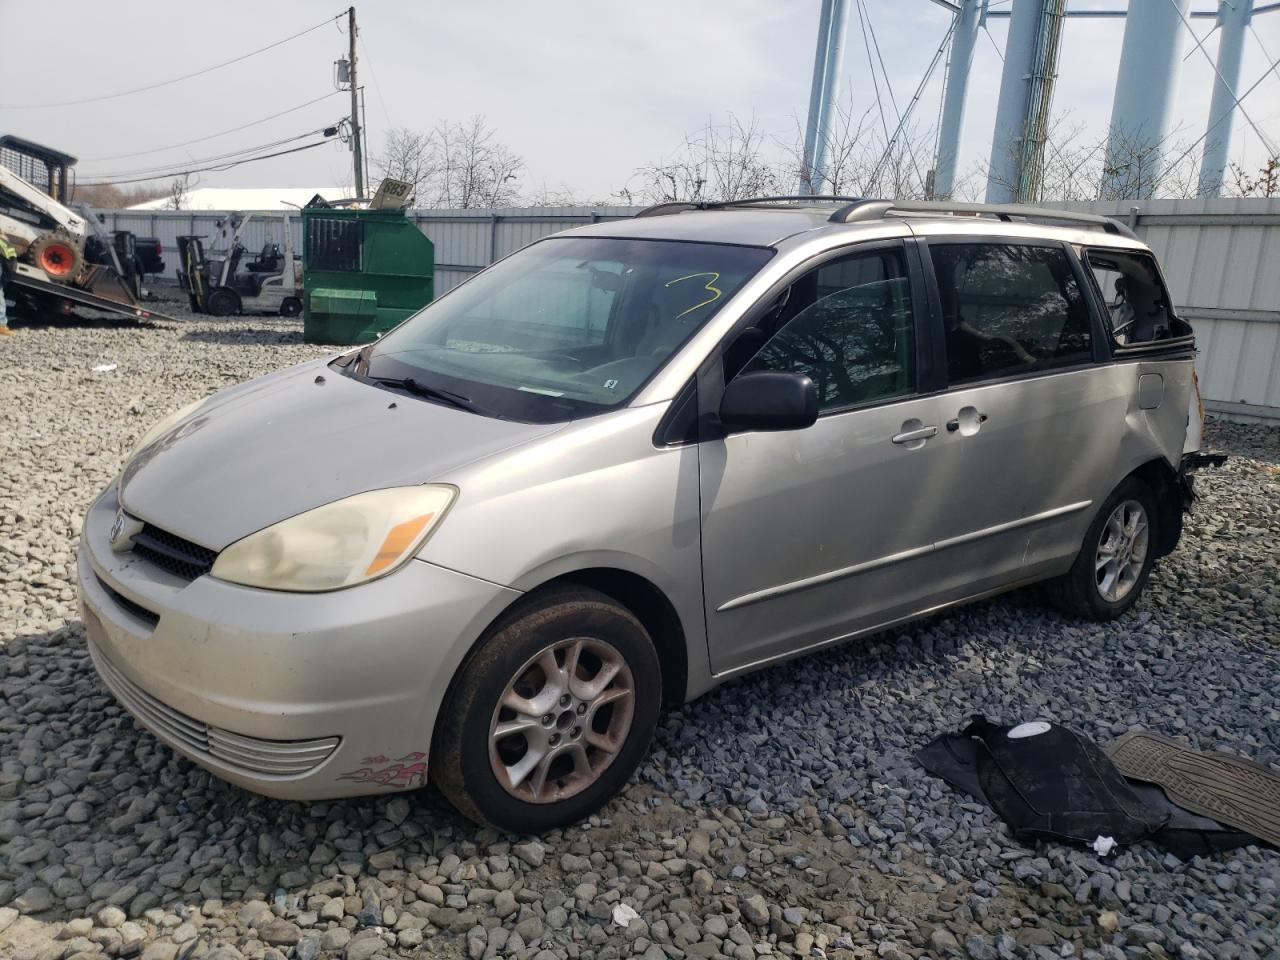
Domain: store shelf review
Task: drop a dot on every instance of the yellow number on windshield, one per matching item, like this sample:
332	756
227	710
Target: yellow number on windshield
709	287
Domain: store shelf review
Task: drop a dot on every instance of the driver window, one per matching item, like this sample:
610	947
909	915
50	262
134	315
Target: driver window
848	327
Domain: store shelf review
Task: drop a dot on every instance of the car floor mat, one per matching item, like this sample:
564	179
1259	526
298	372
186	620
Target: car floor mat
1188	834
1240	793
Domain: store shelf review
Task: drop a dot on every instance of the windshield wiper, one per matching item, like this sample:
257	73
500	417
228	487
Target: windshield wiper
431	393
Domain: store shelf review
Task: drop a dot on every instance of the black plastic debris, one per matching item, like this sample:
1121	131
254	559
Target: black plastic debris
1049	781
1044	780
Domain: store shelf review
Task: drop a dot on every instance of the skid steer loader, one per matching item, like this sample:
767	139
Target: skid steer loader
51	273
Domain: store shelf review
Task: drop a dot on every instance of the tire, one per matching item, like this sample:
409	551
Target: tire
1086	590
290	307
57	255
222	302
481	773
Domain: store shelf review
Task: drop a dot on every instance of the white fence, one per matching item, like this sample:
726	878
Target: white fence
1220	257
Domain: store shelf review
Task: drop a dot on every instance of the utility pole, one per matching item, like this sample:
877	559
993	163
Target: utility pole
1233	20
1026	95
968	22
1146	88
357	153
828	64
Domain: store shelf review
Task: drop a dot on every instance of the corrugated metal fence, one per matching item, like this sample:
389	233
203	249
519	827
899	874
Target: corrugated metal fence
1221	258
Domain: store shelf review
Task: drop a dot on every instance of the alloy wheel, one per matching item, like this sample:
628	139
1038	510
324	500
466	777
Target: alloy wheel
1122	551
561	720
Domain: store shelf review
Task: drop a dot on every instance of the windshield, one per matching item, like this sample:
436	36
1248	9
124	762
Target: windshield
566	328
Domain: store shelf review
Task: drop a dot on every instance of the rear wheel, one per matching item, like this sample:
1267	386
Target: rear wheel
222	302
290	307
56	255
1116	558
551	714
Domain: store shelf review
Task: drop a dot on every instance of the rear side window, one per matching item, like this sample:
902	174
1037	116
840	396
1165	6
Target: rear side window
847	326
1009	309
1137	302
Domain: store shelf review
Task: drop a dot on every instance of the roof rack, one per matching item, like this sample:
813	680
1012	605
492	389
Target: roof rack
862	210
681	206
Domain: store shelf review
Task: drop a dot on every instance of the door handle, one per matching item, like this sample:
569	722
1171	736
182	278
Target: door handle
920	433
972	421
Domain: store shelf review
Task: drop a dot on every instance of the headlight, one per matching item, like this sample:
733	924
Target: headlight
340	544
161	426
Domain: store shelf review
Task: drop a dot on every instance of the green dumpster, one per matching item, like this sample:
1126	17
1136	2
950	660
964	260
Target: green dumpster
363	272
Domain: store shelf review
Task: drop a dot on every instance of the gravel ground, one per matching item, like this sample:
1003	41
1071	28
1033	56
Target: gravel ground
780	815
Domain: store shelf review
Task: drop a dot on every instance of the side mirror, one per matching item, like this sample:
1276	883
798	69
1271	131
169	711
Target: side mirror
769	401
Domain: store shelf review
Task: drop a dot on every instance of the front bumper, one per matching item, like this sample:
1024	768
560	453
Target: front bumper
296	696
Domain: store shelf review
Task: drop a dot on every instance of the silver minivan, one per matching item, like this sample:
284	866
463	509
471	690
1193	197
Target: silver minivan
625	464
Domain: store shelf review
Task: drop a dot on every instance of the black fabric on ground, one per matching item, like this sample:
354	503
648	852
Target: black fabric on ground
954	758
1054	784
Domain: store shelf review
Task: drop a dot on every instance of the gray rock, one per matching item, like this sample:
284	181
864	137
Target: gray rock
280	933
397	810
944	941
362	948
34	900
533	853
755	910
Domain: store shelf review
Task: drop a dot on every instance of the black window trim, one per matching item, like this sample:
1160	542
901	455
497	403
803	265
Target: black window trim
938	334
709	380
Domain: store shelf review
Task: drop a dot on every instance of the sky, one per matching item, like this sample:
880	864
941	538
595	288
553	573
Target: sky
586	91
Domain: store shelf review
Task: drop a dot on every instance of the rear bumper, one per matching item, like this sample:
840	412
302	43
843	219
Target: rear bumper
297	696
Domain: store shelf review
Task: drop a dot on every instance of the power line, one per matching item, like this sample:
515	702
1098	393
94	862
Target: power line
875	83
210	159
165	83
212	136
889	87
373	73
1263	47
915	98
216	167
1210	129
1266	141
994	46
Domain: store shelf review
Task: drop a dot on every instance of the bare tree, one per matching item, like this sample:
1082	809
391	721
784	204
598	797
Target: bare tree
1078	167
1264	183
179	187
474	169
409	156
546	195
865	160
724	161
108	196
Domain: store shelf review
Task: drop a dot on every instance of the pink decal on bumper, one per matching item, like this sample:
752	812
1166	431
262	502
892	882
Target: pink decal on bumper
409	771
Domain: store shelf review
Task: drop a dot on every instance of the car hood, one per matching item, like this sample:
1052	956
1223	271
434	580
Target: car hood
277	446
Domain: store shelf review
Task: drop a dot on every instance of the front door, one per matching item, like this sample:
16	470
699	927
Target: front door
813	534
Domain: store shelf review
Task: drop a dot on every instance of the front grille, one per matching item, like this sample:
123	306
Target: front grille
172	553
137	609
247	755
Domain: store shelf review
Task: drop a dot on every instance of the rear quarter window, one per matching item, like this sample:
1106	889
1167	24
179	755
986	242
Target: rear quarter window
1137	305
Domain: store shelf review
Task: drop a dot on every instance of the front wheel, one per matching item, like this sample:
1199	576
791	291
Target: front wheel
551	714
222	302
1115	559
